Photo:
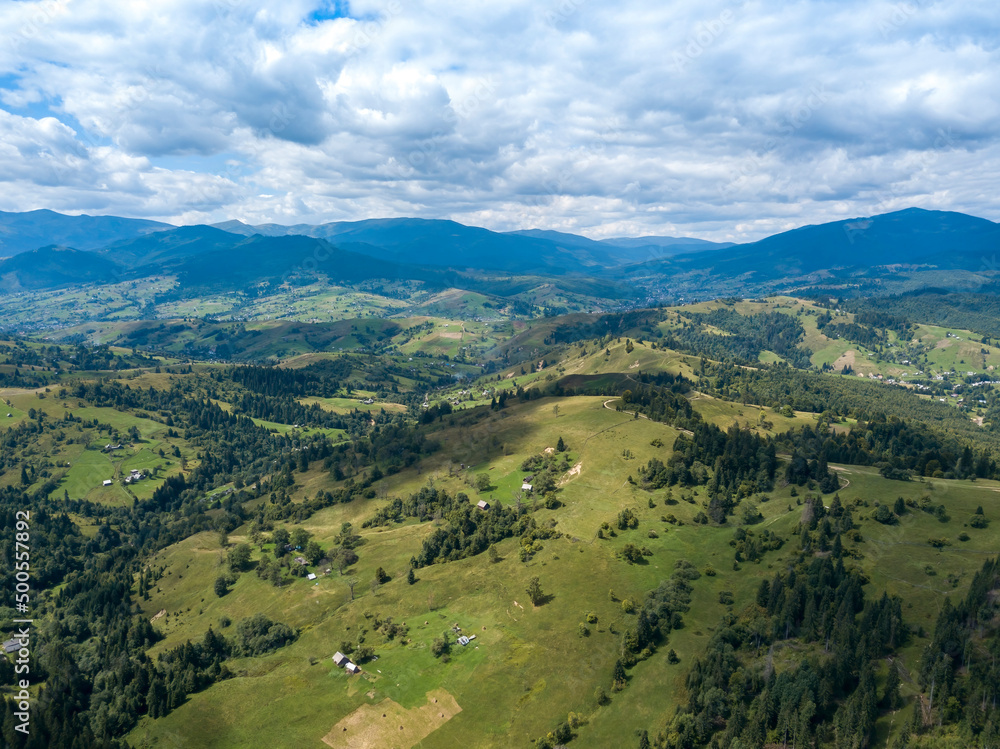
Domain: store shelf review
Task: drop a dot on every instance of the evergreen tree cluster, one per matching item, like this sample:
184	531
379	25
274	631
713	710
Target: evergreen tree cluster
870	338
736	695
750	545
467	531
836	397
978	312
750	336
960	667
322	379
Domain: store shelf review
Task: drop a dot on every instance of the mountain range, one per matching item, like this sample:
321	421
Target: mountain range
448	243
23	232
49	250
910	237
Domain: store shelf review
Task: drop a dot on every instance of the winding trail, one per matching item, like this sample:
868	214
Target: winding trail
609	400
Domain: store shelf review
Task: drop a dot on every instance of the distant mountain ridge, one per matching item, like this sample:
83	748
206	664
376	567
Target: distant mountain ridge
625	250
910	237
23	232
52	267
232	254
203	258
434	242
450	243
454	245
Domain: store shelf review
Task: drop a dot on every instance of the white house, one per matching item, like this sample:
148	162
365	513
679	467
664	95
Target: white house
107	482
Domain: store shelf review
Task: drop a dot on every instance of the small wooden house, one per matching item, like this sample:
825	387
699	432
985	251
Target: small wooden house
483	504
340	659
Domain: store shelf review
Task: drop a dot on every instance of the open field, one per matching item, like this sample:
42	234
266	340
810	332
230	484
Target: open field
366	729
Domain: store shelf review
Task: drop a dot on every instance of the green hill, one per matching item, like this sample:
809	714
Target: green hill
54	267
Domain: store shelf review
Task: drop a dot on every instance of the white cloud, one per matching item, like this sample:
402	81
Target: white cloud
725	119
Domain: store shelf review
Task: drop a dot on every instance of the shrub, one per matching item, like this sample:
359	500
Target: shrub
627	520
257	635
631	553
239	557
441	646
884	515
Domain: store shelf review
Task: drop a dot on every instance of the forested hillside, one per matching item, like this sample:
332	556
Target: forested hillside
673	527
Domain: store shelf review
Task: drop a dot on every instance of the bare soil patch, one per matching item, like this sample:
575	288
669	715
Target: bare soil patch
574	471
389	725
846	359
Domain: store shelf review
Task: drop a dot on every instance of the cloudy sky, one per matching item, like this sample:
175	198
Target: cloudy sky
721	119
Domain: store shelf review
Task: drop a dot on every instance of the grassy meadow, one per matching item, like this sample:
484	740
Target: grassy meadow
529	667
